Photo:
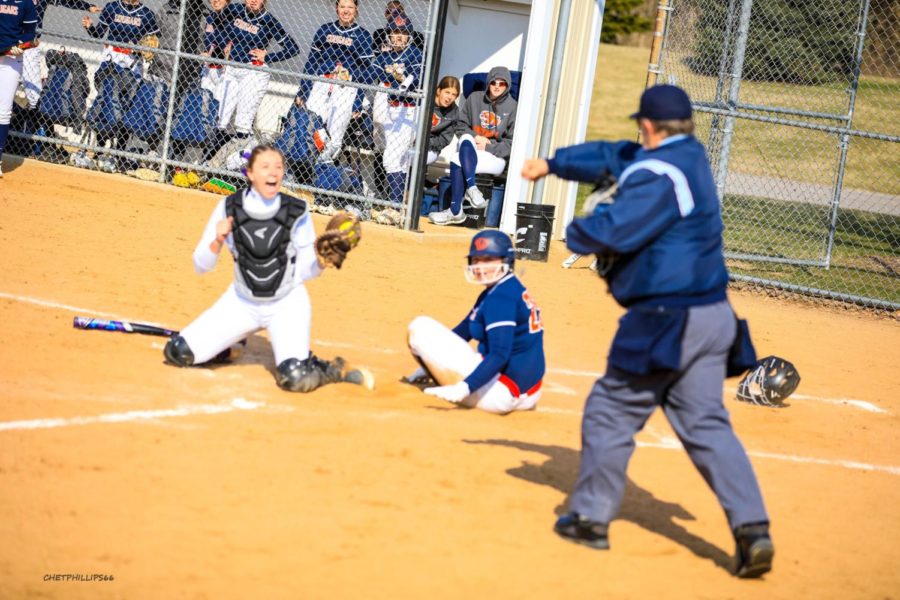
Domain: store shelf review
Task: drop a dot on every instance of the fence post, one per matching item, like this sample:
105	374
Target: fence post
845	137
172	93
423	116
734	90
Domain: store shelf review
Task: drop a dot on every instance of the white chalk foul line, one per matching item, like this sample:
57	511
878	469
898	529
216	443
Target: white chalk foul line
237	404
666	442
860	404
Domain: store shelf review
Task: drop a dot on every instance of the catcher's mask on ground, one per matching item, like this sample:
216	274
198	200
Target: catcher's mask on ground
769	383
491	256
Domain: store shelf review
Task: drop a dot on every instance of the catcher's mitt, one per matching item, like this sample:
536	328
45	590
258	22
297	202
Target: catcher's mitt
341	235
150	41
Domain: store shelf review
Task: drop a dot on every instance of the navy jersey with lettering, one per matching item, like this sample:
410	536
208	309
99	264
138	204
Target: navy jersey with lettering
248	31
18	21
40	6
128	23
349	47
214	33
507	325
409	60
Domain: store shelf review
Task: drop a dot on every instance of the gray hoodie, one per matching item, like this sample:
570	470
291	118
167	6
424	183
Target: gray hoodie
495	119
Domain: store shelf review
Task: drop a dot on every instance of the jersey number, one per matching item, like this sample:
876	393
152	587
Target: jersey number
534	320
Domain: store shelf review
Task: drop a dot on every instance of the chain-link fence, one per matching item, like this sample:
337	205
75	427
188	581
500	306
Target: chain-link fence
798	104
180	90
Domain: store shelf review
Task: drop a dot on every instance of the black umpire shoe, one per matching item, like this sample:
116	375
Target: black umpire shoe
581	530
754	550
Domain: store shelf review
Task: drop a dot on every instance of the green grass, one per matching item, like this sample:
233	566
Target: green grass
761	148
865	258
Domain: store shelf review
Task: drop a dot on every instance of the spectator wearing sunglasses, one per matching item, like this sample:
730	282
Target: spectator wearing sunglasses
485	129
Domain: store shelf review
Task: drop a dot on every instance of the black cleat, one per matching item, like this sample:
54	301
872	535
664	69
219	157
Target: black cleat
582	530
755	550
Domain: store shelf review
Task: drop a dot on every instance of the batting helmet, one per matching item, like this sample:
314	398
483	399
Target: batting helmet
769	383
492	244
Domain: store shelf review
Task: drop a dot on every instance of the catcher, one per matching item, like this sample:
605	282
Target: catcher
272	240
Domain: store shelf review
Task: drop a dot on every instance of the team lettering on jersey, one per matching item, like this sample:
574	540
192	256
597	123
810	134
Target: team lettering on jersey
6	9
490	122
534	319
333	38
126	20
245	26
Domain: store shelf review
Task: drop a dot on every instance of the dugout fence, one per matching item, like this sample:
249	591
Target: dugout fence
163	113
798	103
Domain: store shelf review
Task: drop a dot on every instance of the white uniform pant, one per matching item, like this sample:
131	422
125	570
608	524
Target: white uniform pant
450	359
242	92
10	71
31	76
212	80
399	126
232	318
128	61
334	103
487	162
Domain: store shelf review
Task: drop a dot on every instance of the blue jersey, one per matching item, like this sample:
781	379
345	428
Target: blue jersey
40	6
247	31
128	23
507	325
409	61
18	21
334	46
215	33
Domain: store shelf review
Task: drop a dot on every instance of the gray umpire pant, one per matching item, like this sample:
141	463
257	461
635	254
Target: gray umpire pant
620	404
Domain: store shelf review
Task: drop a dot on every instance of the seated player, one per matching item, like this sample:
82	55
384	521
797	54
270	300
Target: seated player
485	129
506	372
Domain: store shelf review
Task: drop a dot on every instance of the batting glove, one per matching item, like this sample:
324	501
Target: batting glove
15	51
451	393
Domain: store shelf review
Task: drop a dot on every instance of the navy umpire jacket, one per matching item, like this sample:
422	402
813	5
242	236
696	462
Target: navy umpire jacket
664	231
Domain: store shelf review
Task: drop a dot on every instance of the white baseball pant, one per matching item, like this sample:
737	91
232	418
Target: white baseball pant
399	126
450	359
10	72
242	93
212	80
487	162
124	58
334	103
232	318
31	76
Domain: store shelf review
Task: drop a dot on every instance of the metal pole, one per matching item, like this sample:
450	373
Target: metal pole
172	92
654	67
559	46
713	145
734	90
845	138
426	107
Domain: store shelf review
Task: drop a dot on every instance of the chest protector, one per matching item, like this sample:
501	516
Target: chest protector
264	258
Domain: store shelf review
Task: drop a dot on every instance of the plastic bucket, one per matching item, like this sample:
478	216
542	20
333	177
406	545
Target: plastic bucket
534	225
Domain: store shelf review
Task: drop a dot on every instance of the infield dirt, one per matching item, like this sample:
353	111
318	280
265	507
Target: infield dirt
227	487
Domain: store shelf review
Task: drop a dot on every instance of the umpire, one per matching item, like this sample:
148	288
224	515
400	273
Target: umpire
661	243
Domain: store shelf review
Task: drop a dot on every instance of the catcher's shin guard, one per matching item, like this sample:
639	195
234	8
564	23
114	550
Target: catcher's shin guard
295	375
178	353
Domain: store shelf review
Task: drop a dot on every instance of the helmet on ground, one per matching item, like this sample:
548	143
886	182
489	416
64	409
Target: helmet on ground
769	383
489	244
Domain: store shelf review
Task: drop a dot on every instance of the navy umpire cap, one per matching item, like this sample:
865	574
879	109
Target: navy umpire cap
664	103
